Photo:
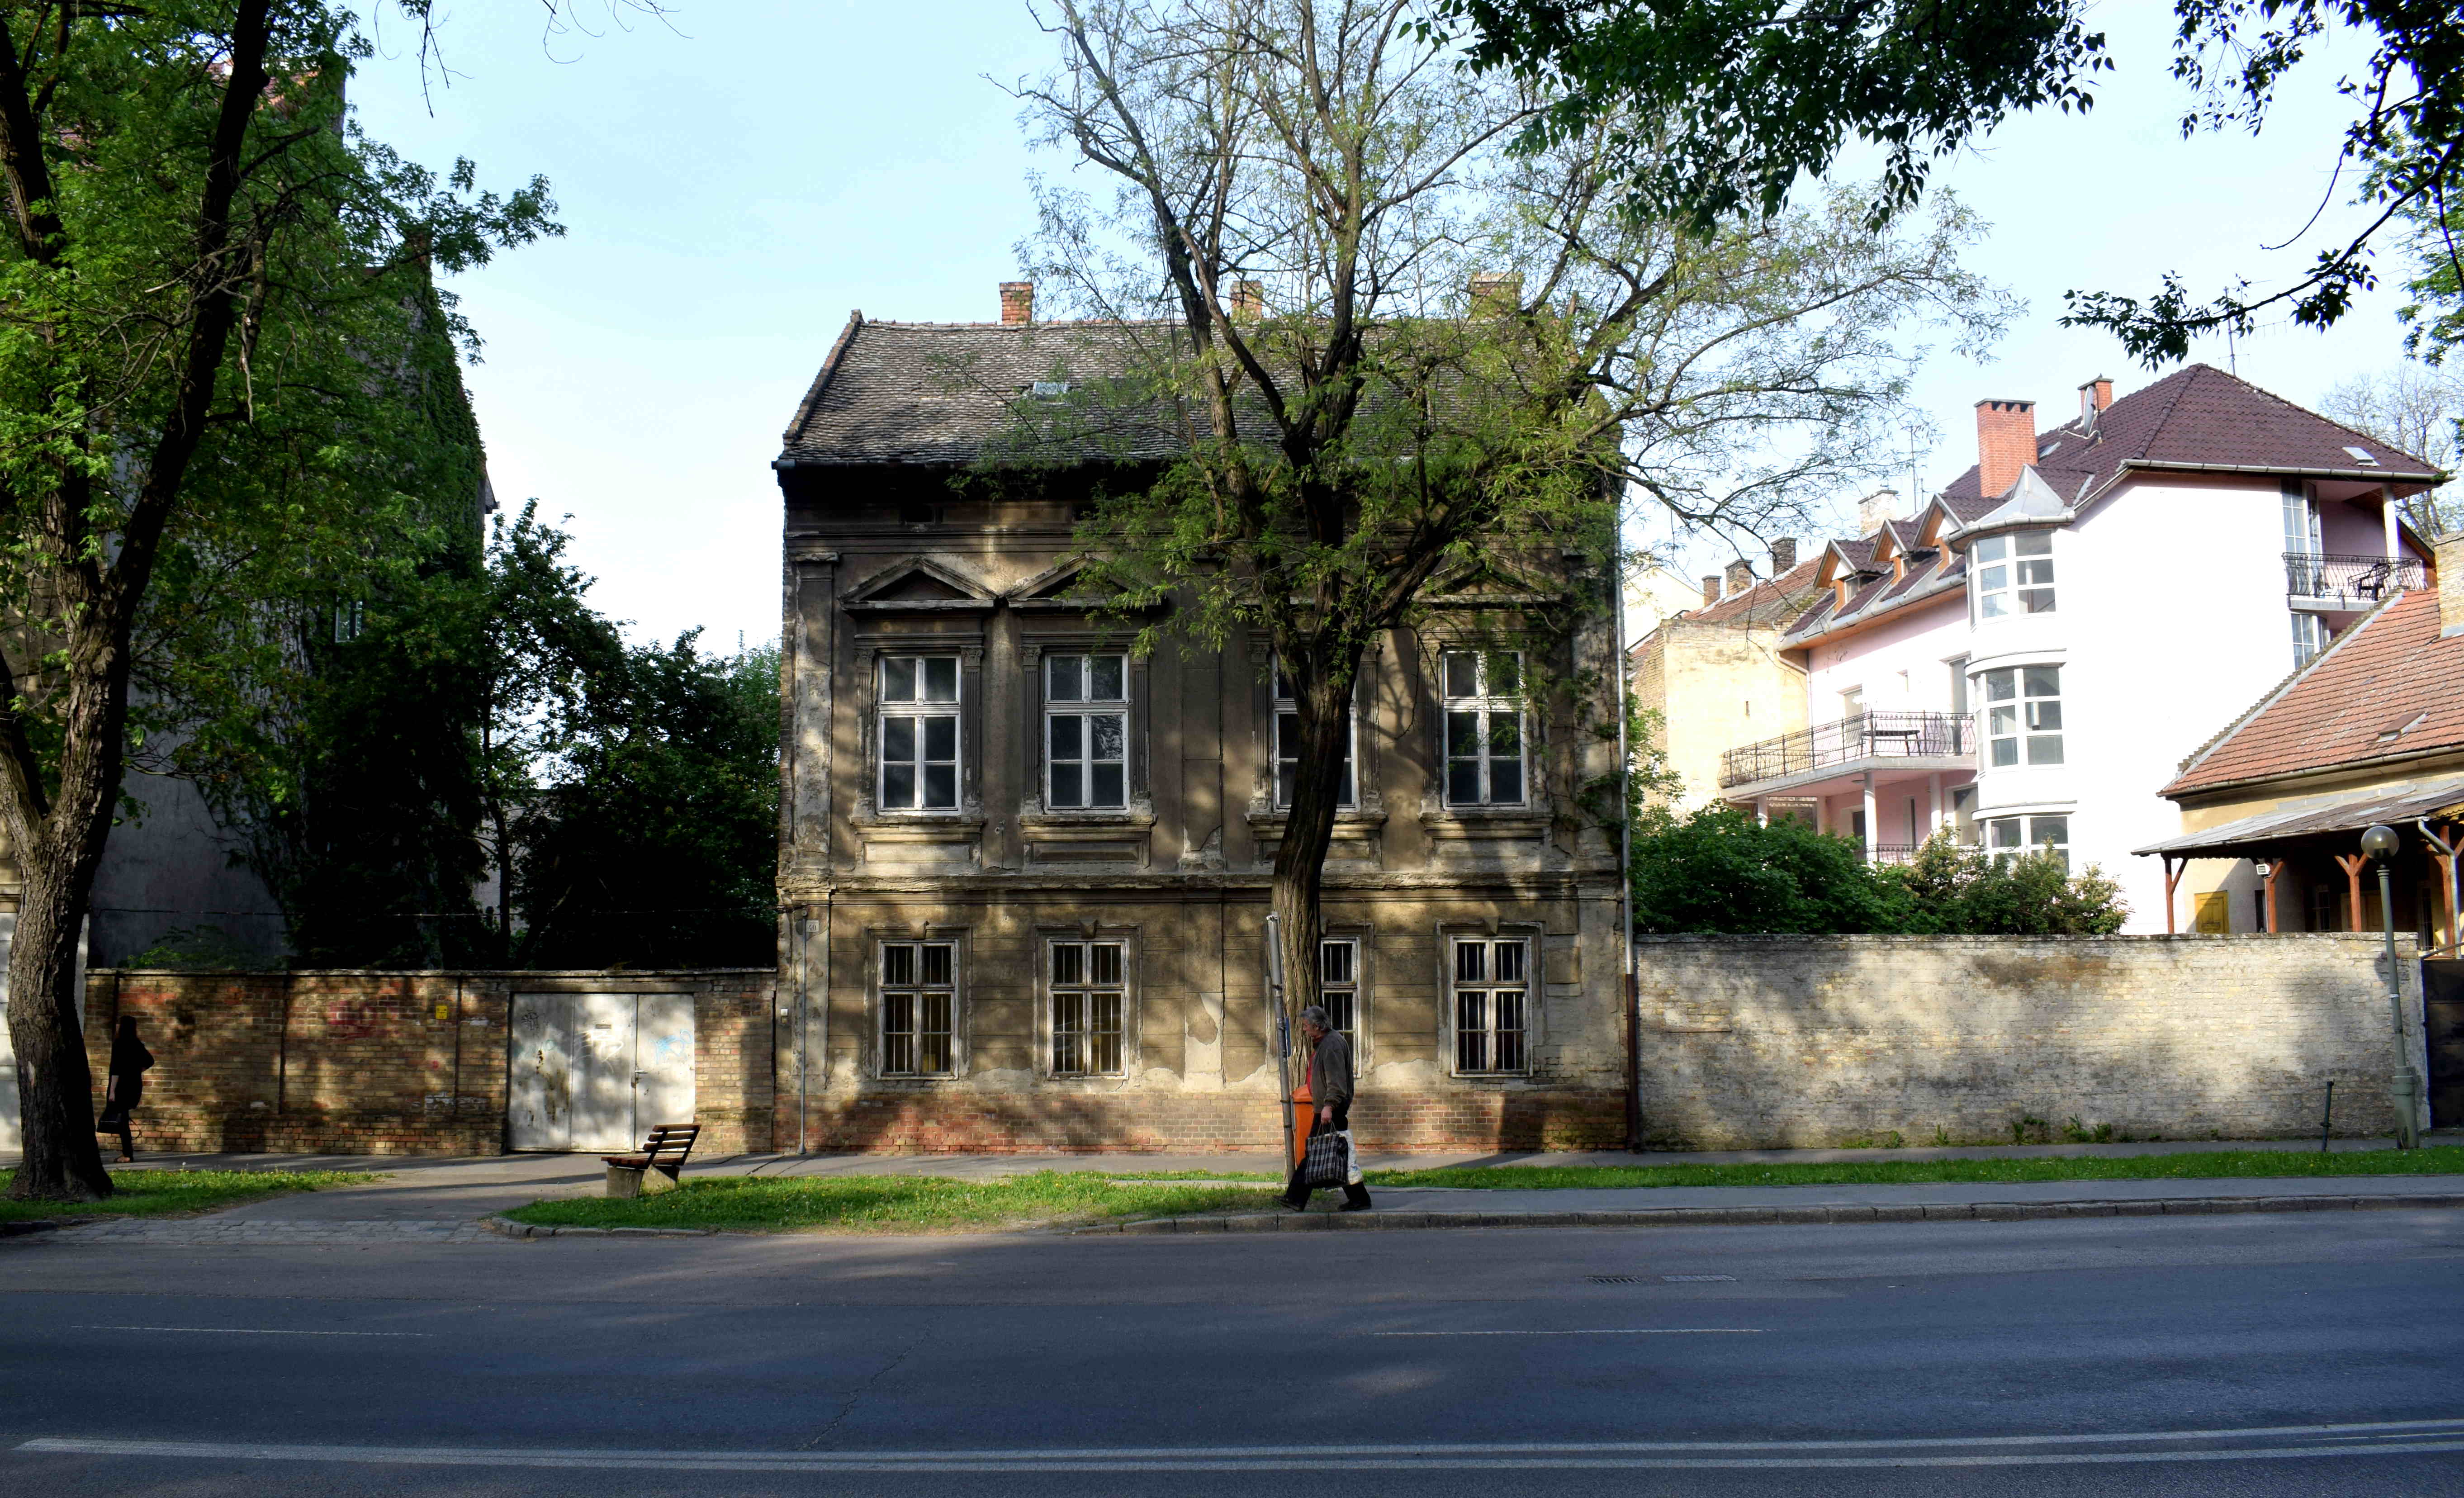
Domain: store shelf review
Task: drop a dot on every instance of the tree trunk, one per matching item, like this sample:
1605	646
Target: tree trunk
1323	700
55	1086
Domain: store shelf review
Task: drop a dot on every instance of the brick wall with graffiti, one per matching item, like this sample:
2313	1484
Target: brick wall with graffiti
371	1063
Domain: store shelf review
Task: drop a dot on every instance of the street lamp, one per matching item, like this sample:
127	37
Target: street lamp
2380	842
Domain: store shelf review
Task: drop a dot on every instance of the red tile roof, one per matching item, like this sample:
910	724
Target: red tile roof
1774	601
2389	687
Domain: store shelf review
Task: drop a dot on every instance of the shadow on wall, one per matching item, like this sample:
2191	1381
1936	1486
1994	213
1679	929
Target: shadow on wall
1799	1042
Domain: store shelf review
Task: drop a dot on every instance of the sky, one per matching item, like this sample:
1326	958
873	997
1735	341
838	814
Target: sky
735	180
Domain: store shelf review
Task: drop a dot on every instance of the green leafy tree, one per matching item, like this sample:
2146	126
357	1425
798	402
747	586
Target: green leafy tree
1717	871
1282	274
206	275
1968	892
1748	99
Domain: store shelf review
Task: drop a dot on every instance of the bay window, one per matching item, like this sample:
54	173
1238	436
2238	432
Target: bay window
2023	715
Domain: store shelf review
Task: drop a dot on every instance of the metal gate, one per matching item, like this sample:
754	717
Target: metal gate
597	1071
2442	1021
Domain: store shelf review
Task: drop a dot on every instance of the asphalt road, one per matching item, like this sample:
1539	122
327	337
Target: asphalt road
2249	1355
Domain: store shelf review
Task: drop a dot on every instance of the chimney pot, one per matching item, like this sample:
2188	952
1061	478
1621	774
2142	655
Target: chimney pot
1248	300
2006	442
1017	302
1783	555
1710	590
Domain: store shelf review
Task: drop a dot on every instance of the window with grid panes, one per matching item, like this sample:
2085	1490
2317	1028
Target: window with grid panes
1483	727
1492	992
1087	994
918	732
2008	837
2015	574
2023	714
1086	732
1287	745
1338	987
920	1001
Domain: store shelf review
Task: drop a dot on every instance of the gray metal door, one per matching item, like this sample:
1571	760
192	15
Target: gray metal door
538	1097
662	1060
2442	1015
603	1072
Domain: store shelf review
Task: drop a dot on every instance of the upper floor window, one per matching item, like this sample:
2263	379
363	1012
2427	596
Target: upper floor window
1085	731
1339	986
920	1001
1492	991
1483	727
919	733
1287	745
2015	574
1087	995
2023	714
2301	529
2309	637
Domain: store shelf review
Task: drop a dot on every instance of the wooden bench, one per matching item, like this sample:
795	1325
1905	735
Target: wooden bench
656	1165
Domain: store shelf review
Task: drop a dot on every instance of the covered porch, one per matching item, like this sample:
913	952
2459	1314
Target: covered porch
1889	780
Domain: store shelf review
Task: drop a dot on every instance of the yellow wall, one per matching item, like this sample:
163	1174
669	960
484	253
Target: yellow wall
1716	687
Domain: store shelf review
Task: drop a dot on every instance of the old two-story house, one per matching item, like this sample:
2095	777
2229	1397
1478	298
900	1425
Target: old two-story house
1025	867
2027	659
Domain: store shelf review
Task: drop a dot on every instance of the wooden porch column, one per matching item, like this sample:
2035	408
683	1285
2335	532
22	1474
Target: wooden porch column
2270	869
2352	864
2172	876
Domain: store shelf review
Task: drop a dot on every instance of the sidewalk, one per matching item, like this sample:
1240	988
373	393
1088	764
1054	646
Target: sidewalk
426	1197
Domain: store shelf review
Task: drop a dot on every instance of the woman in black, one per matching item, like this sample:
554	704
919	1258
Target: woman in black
127	1084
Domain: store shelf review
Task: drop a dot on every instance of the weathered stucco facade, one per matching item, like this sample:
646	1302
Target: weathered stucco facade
1024	869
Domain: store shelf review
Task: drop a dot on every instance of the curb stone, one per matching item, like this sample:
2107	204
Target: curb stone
1774	1216
512	1229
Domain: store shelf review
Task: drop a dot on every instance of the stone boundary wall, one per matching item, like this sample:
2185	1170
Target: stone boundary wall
374	1062
1796	1041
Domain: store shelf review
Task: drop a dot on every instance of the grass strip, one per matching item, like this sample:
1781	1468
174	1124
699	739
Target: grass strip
164	1193
866	1204
2445	1160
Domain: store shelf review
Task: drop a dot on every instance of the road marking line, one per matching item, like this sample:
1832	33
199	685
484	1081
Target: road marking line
1600	1332
2418	1437
252	1331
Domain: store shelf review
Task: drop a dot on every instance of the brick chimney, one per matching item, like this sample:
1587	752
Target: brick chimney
1248	300
1783	555
2006	442
1883	504
1710	590
1496	291
1017	303
2094	397
1741	576
2448	559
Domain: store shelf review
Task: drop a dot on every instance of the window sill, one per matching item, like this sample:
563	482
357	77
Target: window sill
1474	823
967	820
1099	817
1274	822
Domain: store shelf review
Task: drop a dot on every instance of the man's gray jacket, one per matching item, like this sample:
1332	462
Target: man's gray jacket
1330	1076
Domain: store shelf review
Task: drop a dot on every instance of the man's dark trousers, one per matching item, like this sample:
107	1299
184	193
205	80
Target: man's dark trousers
1296	1196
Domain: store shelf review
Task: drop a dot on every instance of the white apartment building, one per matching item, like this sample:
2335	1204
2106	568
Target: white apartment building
2031	657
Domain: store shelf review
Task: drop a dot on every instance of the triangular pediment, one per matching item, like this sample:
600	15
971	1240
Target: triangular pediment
920	583
1489	581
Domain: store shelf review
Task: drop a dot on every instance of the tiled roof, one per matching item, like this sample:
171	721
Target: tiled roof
947	392
2386	689
1774	601
2196	415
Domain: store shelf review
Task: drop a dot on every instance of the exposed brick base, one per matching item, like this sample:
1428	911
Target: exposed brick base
954	1122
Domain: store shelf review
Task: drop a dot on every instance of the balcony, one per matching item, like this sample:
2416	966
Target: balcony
2331	583
1873	740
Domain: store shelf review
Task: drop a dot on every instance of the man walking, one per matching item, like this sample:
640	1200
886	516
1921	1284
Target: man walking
1329	1086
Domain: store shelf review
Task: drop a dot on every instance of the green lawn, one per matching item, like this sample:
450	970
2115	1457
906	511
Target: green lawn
1047	1198
2444	1160
157	1192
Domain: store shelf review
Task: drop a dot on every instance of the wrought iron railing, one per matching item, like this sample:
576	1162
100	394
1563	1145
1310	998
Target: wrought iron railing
1891	854
1864	736
2355	581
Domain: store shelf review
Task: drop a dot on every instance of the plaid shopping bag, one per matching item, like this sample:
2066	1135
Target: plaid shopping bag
1327	1161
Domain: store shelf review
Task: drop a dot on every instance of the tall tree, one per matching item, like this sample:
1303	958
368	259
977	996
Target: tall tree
199	252
2415	409
1747	99
1302	196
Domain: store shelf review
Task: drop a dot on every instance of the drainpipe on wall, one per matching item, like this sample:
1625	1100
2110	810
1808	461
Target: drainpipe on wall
1625	858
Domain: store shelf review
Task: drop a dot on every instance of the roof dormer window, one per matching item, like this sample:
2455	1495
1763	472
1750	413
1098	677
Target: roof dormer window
2364	456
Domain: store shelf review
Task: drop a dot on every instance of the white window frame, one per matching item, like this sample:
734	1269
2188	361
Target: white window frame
2309	637
1341	984
2303	533
1287	747
918	711
2015	574
1484	706
1083	710
1086	1002
2018	714
1482	997
2006	838
907	973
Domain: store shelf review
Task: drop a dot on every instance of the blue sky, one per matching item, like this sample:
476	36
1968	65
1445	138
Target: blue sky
734	184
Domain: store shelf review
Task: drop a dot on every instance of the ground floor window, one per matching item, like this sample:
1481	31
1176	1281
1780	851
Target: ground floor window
1492	992
2008	837
1339	986
919	1001
1087	995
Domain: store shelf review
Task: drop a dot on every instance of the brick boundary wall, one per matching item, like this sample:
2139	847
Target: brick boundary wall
376	1063
1796	1041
